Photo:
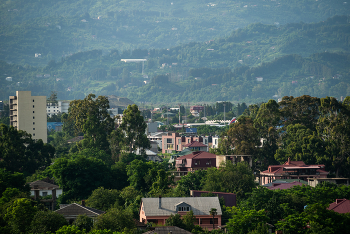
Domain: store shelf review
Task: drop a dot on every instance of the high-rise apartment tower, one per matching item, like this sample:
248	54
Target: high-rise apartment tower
28	113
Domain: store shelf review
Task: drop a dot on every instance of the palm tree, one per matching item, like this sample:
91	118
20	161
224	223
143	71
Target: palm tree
213	212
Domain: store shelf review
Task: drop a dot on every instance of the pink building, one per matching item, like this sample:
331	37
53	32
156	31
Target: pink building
195	161
158	210
292	170
173	142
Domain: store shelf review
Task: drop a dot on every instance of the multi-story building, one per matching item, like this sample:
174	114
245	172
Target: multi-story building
173	142
56	108
28	113
292	170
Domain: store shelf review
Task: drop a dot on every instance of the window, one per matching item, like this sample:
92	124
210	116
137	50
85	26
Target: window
44	194
48	110
33	128
33	117
33	134
188	141
33	106
169	140
183	208
33	100
33	112
33	123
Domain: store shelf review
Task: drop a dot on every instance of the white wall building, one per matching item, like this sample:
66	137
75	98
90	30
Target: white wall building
55	108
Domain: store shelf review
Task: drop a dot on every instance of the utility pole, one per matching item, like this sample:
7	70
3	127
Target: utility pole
179	113
224	114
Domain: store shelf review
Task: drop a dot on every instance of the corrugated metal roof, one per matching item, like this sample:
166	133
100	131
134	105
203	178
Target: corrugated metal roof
199	205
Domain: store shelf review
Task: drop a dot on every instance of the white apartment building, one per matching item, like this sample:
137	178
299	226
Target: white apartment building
28	113
55	108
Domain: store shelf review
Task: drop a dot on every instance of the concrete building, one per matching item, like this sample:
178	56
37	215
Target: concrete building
28	113
56	108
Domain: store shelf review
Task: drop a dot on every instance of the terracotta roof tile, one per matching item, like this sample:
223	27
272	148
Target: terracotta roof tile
195	144
341	206
197	155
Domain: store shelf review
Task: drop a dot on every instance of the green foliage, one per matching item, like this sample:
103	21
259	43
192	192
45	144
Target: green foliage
12	180
103	199
70	230
115	219
84	222
175	220
244	221
238	179
20	153
134	128
47	221
74	176
90	116
191	181
19	215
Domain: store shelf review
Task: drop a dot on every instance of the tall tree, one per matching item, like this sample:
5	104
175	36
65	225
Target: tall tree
134	128
20	153
90	116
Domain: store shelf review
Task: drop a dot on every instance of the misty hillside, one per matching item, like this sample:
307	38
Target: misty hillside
60	28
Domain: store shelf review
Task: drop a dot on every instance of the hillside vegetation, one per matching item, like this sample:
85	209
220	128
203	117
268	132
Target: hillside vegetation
59	28
253	64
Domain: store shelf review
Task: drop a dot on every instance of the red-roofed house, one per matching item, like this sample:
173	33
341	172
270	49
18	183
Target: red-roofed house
292	170
196	146
341	206
195	161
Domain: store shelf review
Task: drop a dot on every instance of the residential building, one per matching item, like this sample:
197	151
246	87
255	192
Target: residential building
285	185
313	182
173	142
158	210
44	188
167	230
197	109
215	142
230	198
292	170
28	113
71	211
196	146
341	206
157	137
41	189
56	108
195	161
221	159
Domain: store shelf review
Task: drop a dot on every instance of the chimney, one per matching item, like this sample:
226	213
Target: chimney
160	202
337	201
288	160
83	202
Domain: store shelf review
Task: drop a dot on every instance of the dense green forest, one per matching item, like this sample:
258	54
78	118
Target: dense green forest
103	170
57	29
251	65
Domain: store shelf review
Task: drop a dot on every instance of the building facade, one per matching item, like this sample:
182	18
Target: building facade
158	210
56	108
28	113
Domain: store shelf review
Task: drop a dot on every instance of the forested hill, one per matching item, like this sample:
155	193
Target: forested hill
253	64
56	28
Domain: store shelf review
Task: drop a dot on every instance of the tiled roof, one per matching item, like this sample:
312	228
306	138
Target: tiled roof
167	230
286	185
198	155
73	210
340	206
278	169
195	144
199	205
42	185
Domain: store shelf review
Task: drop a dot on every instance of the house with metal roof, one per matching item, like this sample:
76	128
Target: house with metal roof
195	161
292	170
71	211
158	210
